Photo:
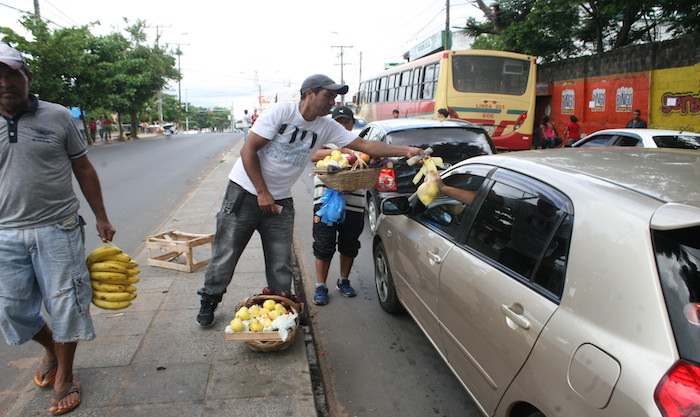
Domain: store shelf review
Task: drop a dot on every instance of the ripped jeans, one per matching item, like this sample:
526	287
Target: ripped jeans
238	218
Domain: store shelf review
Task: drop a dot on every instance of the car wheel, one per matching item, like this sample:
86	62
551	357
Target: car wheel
534	413
386	290
372	214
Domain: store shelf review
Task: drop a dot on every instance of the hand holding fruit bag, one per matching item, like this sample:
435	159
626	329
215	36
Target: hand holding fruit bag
428	191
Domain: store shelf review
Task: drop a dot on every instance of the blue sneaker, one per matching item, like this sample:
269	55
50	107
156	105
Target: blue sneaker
344	287
321	295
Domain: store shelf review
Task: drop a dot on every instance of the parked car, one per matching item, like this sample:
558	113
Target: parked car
451	139
568	286
641	138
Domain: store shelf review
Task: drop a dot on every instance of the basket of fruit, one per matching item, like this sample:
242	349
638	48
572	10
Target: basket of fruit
346	172
265	322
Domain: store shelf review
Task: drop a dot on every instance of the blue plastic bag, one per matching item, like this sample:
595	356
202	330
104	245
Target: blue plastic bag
333	208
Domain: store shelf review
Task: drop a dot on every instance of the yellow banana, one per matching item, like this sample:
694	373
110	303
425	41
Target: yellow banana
103	286
113	296
132	279
111	305
100	253
107	266
132	272
110	277
130	288
132	264
120	257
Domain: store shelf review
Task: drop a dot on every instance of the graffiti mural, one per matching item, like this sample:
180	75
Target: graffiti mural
684	103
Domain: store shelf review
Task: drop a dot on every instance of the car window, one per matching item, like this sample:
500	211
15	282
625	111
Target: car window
447	214
426	137
374	133
678	263
623	140
526	229
596	141
678	141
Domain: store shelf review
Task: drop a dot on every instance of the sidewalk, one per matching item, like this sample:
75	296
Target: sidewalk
155	360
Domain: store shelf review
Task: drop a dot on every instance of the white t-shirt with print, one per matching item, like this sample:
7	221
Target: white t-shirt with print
293	140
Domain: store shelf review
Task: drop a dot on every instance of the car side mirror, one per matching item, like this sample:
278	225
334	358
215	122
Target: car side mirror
395	205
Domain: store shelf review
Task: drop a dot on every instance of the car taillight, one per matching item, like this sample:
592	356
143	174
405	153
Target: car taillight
386	180
678	393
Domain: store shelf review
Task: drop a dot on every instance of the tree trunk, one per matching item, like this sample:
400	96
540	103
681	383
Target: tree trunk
134	124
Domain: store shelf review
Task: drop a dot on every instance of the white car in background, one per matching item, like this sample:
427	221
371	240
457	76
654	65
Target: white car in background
641	138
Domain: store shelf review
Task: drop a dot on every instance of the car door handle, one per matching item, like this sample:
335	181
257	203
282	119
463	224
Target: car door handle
434	257
518	319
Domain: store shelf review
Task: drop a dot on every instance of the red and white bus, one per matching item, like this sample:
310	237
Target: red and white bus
493	89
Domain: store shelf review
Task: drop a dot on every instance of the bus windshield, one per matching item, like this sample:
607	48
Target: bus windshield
487	74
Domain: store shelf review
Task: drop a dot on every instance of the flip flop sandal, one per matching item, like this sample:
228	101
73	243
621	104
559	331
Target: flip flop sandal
45	369
57	396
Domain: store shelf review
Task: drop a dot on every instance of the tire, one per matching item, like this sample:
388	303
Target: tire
372	214
534	413
384	282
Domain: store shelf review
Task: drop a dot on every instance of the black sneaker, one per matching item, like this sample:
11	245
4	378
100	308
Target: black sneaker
206	313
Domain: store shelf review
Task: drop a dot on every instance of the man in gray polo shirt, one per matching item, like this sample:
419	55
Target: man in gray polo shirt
42	253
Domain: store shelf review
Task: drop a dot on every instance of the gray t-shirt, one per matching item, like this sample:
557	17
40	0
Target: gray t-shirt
36	149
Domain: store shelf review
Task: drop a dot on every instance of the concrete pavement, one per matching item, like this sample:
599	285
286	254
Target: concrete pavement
153	359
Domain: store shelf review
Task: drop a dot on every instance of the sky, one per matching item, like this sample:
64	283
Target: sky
233	49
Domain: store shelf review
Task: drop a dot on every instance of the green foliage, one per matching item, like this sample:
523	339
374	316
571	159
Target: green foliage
77	69
557	29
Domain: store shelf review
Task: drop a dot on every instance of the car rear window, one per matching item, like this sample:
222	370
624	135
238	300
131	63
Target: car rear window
678	141
678	262
429	137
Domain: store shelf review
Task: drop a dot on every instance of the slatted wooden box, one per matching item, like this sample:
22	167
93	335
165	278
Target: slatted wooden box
176	244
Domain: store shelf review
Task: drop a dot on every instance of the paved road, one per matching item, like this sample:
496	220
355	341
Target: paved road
373	363
143	182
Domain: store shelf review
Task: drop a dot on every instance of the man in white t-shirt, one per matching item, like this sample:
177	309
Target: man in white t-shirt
259	194
245	124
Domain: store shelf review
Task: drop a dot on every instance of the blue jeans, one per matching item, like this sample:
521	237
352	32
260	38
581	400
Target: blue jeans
239	217
45	263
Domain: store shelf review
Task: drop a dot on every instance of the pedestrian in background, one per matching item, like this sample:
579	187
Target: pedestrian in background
246	121
443	114
344	234
573	131
108	127
637	122
549	134
395	114
93	128
259	193
42	253
254	117
100	128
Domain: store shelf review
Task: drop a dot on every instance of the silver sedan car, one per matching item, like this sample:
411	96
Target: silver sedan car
641	138
556	283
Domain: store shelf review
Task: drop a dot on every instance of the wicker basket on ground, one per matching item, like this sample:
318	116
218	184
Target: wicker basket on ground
266	341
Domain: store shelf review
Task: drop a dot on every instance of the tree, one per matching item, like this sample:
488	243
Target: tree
556	29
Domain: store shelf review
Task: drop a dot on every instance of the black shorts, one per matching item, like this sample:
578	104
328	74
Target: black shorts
345	235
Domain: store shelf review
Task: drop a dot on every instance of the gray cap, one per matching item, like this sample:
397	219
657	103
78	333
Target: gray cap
323	81
11	57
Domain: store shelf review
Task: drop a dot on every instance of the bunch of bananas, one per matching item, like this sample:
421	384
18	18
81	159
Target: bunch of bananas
112	275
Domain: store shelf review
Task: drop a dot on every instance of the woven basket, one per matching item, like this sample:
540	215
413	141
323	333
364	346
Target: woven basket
259	341
359	177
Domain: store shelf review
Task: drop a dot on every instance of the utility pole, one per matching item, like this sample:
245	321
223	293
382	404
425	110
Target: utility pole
160	92
448	38
342	64
37	11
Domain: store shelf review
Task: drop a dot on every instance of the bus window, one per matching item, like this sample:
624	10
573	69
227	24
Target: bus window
415	82
382	89
486	74
391	90
404	86
429	81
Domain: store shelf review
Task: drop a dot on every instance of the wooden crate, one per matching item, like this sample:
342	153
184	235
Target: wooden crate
176	244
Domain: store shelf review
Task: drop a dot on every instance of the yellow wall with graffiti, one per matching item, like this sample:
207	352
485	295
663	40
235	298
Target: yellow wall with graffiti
674	101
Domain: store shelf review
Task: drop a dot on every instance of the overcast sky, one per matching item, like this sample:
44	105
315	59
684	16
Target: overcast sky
225	43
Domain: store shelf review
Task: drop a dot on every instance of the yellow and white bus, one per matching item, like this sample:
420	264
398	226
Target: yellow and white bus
493	89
